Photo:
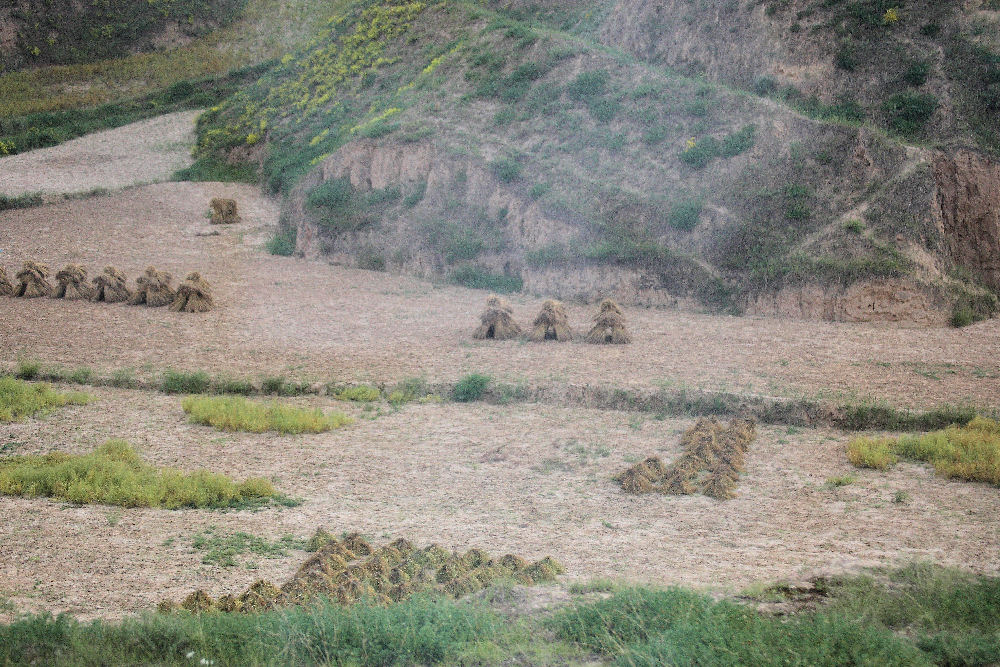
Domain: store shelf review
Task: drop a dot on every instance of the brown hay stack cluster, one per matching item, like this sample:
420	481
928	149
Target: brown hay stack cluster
153	289
609	326
349	570
552	323
497	321
193	296
713	458
33	281
71	283
111	286
224	212
6	286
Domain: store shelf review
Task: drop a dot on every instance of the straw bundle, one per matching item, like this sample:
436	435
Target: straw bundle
111	286
6	286
551	323
193	296
224	212
497	321
609	325
153	289
71	283
33	281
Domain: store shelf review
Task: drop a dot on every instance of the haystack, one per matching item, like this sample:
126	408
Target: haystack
153	289
111	286
33	281
6	286
609	325
193	296
71	283
497	321
224	212
551	323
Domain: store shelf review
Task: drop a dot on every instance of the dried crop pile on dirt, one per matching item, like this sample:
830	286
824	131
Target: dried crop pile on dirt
71	283
713	458
350	570
153	289
224	212
193	296
552	323
33	281
609	325
6	286
112	286
497	321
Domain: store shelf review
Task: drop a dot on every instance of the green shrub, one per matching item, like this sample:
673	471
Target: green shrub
738	142
28	369
470	388
20	201
908	113
115	475
224	385
123	378
684	214
82	375
588	85
506	169
854	226
180	382
701	153
283	242
475	277
916	74
235	413
362	393
20	400
334	196
962	315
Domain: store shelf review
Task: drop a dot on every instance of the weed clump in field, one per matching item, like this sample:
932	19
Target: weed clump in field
33	281
712	460
111	286
71	283
350	571
361	394
114	474
20	400
6	286
609	325
471	387
970	452
194	295
497	321
153	289
235	413
552	323
179	382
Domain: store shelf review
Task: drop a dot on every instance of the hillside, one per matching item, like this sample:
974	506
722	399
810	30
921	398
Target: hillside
819	159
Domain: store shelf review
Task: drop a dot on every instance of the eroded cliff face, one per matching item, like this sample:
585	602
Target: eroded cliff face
968	201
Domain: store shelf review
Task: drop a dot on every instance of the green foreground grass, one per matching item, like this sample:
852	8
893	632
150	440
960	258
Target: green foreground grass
20	400
970	452
114	474
235	413
917	615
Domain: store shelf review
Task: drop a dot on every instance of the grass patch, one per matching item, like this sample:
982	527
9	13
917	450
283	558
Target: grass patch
225	385
876	415
20	400
28	369
235	413
283	242
115	475
21	201
278	386
181	382
222	550
970	452
362	393
475	277
470	388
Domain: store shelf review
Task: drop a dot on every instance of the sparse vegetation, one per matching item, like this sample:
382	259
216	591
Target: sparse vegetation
223	550
113	474
234	413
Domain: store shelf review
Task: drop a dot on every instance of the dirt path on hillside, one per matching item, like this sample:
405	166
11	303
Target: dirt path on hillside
311	320
144	152
533	480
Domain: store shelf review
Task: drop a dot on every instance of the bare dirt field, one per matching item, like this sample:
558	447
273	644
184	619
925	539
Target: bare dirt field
311	320
528	478
506	479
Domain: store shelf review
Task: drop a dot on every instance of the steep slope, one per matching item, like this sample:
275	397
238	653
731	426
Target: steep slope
451	140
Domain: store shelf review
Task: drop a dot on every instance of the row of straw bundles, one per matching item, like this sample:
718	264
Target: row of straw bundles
497	322
153	287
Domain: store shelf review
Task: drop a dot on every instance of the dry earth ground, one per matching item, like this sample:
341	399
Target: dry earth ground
531	481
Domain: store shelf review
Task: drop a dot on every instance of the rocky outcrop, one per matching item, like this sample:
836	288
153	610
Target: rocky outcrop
968	198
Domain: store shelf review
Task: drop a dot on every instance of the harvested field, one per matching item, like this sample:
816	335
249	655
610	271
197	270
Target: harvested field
502	479
310	320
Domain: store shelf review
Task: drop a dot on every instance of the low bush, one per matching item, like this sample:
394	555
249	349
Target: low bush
475	277
115	475
283	242
20	400
470	388
235	413
362	393
908	113
181	382
684	214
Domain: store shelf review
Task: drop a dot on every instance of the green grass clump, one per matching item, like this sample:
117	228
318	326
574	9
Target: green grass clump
115	475
21	201
506	169
222	550
684	214
235	413
226	385
180	382
28	369
475	277
970	452
418	631
908	113
283	242
362	393
470	388
20	400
